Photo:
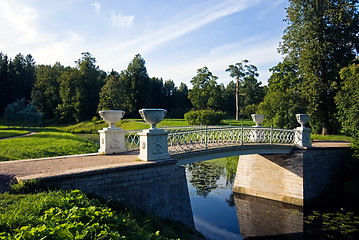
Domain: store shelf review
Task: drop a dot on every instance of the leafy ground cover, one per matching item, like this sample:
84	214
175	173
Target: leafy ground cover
5	133
73	215
45	144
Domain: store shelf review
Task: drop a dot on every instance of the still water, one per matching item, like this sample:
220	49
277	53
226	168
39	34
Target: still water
221	214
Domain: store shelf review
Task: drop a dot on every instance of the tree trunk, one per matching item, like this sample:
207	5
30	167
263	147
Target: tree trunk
237	100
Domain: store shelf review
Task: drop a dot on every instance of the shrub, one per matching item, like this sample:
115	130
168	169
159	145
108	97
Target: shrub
204	117
20	113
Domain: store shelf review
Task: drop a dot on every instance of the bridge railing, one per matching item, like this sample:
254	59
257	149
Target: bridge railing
204	138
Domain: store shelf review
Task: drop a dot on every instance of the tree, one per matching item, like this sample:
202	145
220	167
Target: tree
130	91
205	93
45	92
240	71
20	113
322	37
4	82
347	100
284	97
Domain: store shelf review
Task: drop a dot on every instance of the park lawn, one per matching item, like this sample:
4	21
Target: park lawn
45	144
339	138
5	133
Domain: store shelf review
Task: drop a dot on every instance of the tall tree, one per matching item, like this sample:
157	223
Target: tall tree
240	71
206	93
5	90
284	97
45	92
322	37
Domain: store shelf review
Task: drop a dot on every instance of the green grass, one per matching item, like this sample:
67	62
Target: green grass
341	138
73	215
4	133
233	122
45	144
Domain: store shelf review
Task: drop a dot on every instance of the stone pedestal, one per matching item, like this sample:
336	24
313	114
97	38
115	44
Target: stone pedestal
257	134
302	137
153	145
112	140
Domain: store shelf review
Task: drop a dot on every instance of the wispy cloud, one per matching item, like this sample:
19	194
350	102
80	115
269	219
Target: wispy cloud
183	24
121	21
97	7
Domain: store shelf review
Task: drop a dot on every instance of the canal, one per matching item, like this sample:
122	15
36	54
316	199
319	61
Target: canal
221	214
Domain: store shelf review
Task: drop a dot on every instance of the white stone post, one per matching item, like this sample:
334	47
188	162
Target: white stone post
256	133
112	139
153	141
302	133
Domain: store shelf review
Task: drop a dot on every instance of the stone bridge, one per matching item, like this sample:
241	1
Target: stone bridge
276	164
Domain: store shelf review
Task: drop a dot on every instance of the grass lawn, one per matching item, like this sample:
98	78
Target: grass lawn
5	133
45	144
340	138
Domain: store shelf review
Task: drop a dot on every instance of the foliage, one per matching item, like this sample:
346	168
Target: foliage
206	93
72	215
45	92
17	77
204	117
20	113
347	100
248	90
45	144
79	90
284	98
332	225
321	38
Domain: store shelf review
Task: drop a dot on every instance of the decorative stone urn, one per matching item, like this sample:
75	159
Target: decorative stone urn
153	116
302	119
112	139
111	116
258	119
302	133
153	141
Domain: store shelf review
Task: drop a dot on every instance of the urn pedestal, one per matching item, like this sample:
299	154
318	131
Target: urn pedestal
302	133
153	145
112	139
153	141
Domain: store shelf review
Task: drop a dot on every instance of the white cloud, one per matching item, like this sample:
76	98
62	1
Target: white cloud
121	21
17	23
97	7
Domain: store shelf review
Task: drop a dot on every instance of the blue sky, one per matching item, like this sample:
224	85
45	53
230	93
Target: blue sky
174	37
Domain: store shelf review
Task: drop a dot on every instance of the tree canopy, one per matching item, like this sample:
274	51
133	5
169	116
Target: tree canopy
321	38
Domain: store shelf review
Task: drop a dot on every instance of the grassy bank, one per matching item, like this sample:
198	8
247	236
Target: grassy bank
73	215
46	143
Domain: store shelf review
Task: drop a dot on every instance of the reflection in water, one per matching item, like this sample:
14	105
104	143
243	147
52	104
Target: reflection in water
260	217
221	214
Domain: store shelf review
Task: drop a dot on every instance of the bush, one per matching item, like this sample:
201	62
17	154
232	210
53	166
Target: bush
20	113
204	117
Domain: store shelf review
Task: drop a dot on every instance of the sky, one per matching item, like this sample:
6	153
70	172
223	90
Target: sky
175	37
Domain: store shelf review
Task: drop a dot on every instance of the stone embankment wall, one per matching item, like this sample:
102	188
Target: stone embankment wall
159	187
294	178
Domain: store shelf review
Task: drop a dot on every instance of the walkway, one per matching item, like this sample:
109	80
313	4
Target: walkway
37	168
